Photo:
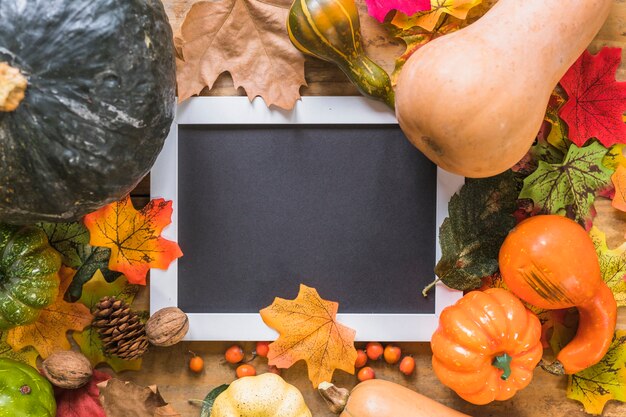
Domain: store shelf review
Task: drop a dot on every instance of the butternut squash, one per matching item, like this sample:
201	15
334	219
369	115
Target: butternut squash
380	398
474	100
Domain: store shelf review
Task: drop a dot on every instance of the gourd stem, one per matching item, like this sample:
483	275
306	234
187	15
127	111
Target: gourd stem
503	362
12	87
336	398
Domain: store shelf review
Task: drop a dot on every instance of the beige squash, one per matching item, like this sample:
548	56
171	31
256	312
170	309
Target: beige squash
473	101
380	398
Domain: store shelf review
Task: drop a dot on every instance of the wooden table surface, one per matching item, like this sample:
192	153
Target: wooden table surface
545	396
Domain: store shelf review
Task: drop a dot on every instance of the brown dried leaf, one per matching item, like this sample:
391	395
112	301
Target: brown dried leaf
247	38
124	398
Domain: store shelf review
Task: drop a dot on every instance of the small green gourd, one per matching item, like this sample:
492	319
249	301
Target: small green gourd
330	30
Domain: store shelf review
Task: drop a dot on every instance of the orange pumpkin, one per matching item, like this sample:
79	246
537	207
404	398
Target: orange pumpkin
550	262
487	346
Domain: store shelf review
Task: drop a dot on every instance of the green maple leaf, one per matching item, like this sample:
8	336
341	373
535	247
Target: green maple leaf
480	217
605	381
69	239
612	265
569	188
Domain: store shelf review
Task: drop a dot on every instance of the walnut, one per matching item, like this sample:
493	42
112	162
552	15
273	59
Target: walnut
67	369
167	326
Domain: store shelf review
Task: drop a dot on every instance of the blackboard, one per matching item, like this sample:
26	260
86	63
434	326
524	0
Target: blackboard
330	194
349	210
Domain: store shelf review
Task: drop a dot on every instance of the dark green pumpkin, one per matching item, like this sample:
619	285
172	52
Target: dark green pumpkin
24	392
99	103
29	279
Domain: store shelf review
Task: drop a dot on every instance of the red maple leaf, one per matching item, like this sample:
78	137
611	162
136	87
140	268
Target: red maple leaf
82	401
596	101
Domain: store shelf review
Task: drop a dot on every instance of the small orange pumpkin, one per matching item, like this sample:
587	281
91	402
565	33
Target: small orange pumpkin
487	346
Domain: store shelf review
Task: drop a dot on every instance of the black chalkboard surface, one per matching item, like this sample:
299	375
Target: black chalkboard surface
349	210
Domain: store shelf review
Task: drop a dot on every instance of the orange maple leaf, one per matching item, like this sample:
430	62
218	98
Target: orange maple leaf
48	333
134	237
619	181
309	331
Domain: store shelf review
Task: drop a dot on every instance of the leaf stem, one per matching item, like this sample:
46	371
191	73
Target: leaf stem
429	287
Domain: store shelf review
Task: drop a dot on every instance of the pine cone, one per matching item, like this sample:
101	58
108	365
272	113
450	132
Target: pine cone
122	333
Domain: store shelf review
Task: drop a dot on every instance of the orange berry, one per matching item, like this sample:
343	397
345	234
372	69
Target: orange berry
262	349
234	354
407	365
245	370
365	374
392	354
196	364
374	350
361	358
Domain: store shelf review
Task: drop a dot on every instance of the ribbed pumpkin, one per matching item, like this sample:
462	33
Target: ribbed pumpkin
24	392
29	279
331	30
87	96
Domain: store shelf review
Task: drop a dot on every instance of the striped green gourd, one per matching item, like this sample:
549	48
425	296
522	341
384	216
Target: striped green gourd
331	30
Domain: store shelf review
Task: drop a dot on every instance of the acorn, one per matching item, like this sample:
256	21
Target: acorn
67	369
167	326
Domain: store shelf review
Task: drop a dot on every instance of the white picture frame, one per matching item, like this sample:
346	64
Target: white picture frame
309	110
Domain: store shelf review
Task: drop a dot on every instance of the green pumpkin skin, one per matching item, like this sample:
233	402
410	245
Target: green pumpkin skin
29	279
13	403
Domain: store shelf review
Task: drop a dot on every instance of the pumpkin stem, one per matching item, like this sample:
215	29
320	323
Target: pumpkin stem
503	362
336	398
12	87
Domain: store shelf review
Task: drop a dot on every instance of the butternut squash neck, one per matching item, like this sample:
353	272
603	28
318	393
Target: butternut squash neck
12	87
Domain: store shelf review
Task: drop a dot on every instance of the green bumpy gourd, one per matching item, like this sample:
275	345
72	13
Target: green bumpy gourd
29	274
24	392
331	30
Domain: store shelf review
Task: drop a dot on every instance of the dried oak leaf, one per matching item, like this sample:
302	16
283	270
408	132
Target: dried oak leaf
596	102
119	397
604	381
428	20
83	401
48	333
27	355
570	187
247	38
378	9
309	331
134	237
612	265
88	340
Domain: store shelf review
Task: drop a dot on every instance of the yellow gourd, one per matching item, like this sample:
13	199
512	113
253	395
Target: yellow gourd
260	396
473	101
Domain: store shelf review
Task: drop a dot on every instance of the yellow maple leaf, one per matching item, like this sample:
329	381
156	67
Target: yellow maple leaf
428	20
309	331
48	333
619	181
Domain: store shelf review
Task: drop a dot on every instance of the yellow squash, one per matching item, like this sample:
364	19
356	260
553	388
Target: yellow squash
260	396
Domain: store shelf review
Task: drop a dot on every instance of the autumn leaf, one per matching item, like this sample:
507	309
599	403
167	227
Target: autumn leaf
569	188
619	182
615	157
596	102
134	237
94	259
88	340
603	382
69	239
118	397
83	401
309	331
27	355
428	20
378	9
480	217
247	38
48	333
612	265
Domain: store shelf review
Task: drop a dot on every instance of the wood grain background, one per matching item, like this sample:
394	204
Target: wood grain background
545	396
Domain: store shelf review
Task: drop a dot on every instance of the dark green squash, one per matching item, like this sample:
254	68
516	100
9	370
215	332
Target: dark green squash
29	279
24	392
98	105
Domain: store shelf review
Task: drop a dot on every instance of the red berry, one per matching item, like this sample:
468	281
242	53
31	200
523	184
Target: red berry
365	374
361	358
234	354
245	370
407	366
392	354
374	350
262	349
